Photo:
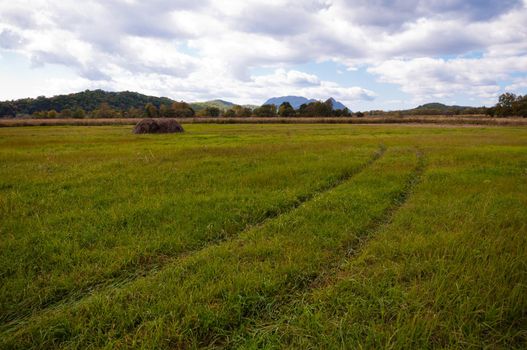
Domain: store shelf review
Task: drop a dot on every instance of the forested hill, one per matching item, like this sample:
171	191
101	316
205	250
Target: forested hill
86	100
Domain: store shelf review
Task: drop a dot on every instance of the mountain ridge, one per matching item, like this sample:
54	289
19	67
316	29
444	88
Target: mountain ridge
297	101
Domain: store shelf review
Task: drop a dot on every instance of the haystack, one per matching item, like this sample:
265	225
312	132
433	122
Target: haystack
157	126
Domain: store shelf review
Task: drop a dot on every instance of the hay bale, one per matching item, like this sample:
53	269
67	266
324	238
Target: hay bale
157	126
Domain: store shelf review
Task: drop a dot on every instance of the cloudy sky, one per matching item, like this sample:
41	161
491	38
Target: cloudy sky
368	54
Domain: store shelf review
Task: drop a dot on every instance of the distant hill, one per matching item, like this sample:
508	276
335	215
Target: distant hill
337	104
88	100
251	107
439	106
297	101
221	104
434	105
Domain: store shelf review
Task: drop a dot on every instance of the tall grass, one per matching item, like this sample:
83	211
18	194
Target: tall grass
448	272
82	216
424	119
253	236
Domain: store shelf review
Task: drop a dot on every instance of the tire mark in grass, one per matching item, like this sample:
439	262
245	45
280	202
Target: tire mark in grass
356	245
211	291
261	300
331	275
154	264
399	201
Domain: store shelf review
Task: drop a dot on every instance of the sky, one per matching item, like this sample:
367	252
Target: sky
368	54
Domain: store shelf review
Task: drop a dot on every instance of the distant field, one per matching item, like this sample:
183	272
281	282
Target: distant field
263	236
430	119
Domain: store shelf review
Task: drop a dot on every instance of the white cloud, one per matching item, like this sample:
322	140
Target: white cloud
517	85
205	49
441	78
290	78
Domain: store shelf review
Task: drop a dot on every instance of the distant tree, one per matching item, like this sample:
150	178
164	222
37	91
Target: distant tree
230	113
519	107
359	114
105	111
504	106
52	114
40	114
346	112
78	113
245	112
316	109
164	111
151	111
7	109
66	113
265	111
491	112
242	112
181	110
475	110
511	105
329	103
211	112
134	112
286	110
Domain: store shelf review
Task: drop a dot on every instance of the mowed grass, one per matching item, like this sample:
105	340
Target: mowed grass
263	236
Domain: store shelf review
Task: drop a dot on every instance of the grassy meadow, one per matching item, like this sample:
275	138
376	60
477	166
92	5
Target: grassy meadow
263	236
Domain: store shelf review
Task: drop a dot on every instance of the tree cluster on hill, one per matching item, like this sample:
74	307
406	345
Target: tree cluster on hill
88	101
105	110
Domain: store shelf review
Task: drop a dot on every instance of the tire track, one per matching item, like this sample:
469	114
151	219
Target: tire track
355	246
352	249
220	339
157	263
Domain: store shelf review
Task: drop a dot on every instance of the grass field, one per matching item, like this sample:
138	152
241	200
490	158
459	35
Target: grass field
263	236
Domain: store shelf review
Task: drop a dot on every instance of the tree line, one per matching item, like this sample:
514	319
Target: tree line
102	104
510	105
119	106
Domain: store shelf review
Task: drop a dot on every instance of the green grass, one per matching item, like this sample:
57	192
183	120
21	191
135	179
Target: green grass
251	236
